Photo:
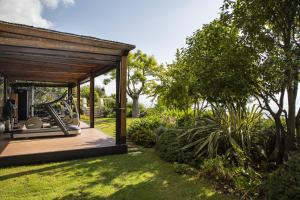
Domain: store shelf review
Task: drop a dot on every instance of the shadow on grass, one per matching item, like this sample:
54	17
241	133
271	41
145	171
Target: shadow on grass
134	176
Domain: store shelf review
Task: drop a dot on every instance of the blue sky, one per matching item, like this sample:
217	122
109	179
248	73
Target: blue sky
156	27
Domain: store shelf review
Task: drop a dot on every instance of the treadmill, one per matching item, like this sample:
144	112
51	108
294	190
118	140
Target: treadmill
66	129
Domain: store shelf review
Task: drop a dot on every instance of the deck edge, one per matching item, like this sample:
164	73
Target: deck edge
58	156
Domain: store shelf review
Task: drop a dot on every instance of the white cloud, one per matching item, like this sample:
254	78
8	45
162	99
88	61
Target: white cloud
54	3
28	11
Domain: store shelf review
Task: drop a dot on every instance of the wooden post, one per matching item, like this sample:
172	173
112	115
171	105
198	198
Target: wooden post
78	97
92	102
121	75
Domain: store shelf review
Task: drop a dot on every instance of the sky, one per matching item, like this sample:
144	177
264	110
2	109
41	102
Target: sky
157	27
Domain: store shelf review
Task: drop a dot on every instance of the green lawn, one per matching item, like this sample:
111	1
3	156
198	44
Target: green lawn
139	176
106	125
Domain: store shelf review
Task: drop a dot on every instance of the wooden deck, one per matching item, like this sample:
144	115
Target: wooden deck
91	142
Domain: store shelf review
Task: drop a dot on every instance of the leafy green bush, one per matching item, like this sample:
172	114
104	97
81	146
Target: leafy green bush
109	107
173	117
143	131
216	169
284	183
246	181
169	147
143	136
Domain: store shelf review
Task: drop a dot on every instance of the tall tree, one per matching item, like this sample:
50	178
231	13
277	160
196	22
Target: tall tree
224	66
273	28
177	85
142	75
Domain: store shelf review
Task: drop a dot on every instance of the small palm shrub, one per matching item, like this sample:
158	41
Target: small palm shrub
229	131
284	183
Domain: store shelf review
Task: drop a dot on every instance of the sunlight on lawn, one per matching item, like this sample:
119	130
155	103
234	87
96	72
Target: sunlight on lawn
131	176
106	125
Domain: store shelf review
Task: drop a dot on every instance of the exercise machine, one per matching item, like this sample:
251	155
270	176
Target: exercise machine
60	115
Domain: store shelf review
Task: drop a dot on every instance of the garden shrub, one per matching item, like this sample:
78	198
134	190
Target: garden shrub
144	137
185	169
173	117
215	168
245	181
169	147
143	131
284	183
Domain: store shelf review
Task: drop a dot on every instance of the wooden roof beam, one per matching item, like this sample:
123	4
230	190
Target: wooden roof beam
59	36
34	71
52	58
44	67
43	79
58	45
58	53
38	84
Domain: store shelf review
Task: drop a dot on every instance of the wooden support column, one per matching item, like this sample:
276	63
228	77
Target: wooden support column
78	97
121	75
92	102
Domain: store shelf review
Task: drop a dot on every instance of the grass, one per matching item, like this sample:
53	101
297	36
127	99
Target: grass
106	125
135	176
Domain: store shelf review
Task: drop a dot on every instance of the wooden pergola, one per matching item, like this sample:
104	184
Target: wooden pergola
52	58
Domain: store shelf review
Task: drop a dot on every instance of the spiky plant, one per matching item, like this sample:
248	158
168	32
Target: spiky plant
228	131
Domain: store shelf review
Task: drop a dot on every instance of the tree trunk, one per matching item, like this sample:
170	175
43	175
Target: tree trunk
135	107
278	153
298	128
291	121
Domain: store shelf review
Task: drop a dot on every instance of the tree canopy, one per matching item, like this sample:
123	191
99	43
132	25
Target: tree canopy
141	77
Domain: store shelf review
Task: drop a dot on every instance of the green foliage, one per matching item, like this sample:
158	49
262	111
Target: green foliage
169	147
47	94
246	181
109	107
272	28
143	136
229	131
85	92
215	168
185	169
284	183
223	64
142	131
173	117
177	85
141	77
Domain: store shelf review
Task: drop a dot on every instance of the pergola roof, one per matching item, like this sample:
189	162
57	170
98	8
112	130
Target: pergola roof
34	54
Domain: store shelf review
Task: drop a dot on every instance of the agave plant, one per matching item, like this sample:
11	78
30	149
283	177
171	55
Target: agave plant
228	131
